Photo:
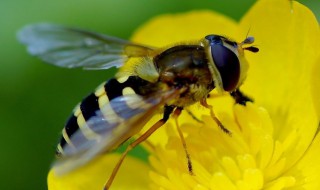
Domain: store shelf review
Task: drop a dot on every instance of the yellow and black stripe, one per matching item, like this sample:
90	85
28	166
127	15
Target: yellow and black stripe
106	92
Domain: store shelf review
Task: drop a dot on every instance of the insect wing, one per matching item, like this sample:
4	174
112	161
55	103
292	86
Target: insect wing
122	118
71	47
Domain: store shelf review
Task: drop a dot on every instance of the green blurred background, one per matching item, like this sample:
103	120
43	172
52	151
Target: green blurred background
36	98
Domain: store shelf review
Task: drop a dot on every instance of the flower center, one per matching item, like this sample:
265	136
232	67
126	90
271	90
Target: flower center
248	159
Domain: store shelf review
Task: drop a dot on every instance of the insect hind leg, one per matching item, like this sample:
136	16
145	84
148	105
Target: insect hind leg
167	111
176	113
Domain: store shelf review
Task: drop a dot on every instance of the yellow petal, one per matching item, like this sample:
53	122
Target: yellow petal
133	174
254	178
308	167
287	34
316	85
221	181
279	79
174	28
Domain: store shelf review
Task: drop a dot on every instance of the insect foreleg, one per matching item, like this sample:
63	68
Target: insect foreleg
204	103
167	111
240	98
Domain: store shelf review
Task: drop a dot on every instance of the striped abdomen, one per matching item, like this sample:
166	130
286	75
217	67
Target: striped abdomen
109	90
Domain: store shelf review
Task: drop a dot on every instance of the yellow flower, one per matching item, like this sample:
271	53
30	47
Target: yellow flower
274	143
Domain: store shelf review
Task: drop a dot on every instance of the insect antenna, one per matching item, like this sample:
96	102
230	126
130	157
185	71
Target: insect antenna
249	40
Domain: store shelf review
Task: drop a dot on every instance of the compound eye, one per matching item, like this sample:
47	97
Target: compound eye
227	64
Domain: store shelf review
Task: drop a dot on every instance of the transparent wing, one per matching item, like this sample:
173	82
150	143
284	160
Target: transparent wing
72	47
122	118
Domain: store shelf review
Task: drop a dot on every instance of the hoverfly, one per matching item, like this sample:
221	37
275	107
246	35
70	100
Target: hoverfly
162	79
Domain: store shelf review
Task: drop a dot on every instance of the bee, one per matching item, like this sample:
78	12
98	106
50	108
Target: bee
162	79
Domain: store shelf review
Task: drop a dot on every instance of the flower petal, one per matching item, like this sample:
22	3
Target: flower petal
287	34
316	85
133	174
174	28
308	167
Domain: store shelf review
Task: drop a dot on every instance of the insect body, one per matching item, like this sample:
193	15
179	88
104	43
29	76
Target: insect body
98	100
162	79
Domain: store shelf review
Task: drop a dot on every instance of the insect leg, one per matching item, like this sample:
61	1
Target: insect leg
167	111
176	113
204	103
240	98
193	116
